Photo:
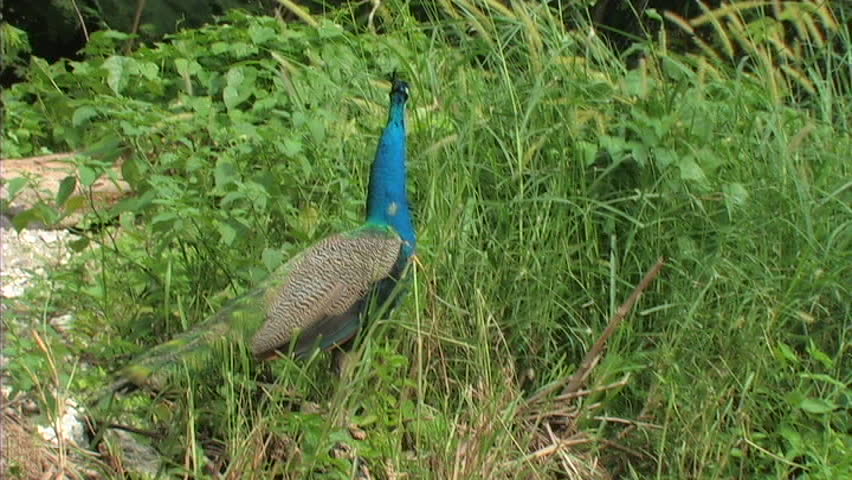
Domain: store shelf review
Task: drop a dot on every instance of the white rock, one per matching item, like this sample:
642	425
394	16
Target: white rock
63	323
136	456
24	255
69	427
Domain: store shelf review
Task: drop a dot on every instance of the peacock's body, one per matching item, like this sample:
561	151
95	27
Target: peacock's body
320	298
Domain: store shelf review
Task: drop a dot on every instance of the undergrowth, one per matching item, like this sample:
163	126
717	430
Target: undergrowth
546	178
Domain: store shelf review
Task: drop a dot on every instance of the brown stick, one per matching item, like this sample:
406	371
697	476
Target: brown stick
82	21
42	158
137	18
593	355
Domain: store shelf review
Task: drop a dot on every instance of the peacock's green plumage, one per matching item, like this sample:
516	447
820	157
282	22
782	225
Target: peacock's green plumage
320	297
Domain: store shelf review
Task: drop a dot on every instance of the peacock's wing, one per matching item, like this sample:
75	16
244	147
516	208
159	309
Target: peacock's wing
318	301
314	300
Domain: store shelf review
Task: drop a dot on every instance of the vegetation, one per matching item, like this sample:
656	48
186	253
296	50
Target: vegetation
546	178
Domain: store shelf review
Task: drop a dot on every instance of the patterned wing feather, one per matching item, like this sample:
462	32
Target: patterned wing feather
323	294
317	297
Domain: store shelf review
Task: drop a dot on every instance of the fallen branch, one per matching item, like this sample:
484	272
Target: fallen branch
581	393
575	381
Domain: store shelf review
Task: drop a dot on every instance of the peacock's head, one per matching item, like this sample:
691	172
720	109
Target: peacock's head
399	89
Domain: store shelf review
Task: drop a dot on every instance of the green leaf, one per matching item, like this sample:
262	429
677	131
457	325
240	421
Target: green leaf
665	157
792	436
231	93
787	353
39	213
182	67
149	70
820	356
163	221
817	405
821	377
88	176
637	83
75	203
328	29
735	194
272	258
260	34
290	147
83	115
79	244
116	67
689	170
653	14
225	172
15	185
23	219
227	232
66	188
232	197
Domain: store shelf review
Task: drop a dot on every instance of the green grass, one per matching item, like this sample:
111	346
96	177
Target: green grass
546	179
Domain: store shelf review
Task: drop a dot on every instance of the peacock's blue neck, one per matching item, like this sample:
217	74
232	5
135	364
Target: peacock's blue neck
387	201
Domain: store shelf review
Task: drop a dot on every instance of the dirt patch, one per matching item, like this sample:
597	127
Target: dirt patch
24	456
46	173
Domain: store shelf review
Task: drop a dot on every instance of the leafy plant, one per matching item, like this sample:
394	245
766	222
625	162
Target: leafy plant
546	177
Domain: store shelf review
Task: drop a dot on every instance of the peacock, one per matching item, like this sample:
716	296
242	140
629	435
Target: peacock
322	297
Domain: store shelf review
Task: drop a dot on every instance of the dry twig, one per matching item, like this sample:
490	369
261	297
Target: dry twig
575	381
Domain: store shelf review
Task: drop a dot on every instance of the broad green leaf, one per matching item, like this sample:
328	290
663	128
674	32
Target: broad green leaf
588	151
792	436
163	221
116	67
260	34
66	188
83	115
820	356
272	258
788	353
231	93
735	194
15	185
232	197
79	244
289	146
227	232
149	70
689	170
636	83
817	405
665	157
76	203
88	176
39	213
317	128
219	48
23	219
242	49
328	29
182	67
225	172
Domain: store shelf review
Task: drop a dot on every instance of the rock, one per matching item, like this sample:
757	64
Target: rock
29	406
24	255
63	323
5	222
135	457
357	432
69	428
